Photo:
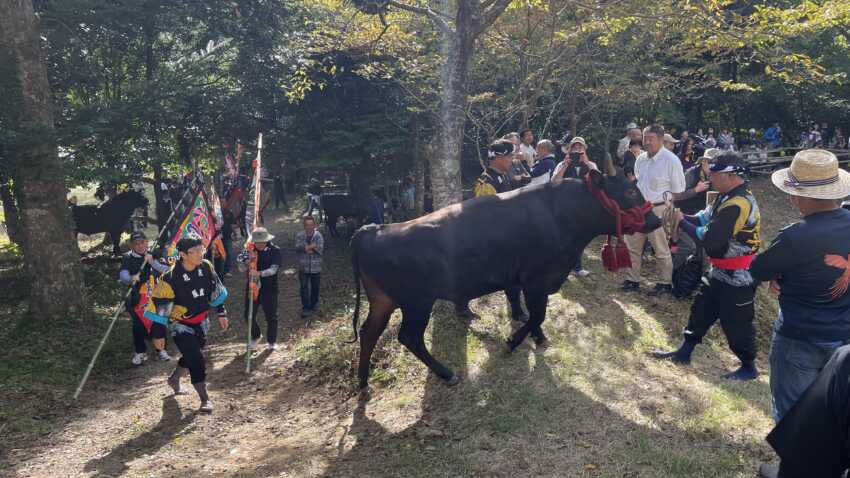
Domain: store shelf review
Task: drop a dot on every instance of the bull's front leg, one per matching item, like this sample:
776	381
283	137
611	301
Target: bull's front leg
536	303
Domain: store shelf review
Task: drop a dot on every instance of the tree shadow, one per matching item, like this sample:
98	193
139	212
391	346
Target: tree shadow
519	415
171	424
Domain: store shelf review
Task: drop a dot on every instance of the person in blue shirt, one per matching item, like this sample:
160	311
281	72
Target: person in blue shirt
773	135
808	265
543	168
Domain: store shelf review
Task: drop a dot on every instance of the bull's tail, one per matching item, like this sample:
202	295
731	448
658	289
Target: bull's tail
355	265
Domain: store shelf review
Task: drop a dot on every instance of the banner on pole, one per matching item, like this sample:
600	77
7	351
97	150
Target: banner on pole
198	222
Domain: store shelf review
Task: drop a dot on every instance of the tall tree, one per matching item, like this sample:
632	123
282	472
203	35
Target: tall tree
50	248
461	23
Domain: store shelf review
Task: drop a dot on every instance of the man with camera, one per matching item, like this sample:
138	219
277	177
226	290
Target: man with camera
575	165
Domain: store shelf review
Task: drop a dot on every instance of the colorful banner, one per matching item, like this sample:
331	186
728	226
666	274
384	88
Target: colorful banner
198	222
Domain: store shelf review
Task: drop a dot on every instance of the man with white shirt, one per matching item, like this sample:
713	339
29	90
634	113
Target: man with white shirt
658	170
527	150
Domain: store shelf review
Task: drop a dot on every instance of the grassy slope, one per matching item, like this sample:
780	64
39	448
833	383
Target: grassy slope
592	404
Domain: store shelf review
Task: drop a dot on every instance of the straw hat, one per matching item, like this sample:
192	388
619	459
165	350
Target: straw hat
711	153
261	234
578	140
814	173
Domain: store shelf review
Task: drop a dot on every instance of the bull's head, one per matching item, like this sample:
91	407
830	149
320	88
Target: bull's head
627	195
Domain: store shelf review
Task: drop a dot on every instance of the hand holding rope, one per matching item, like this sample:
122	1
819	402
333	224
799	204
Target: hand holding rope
670	217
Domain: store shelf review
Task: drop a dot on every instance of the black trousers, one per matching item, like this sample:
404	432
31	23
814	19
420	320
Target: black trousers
812	438
267	299
140	333
192	357
309	290
733	306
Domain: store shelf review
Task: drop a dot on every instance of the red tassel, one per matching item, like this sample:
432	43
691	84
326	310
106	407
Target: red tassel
624	260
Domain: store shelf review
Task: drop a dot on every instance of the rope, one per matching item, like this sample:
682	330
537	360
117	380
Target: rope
669	218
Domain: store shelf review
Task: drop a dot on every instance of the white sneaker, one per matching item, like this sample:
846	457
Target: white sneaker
139	359
272	347
253	344
163	356
582	273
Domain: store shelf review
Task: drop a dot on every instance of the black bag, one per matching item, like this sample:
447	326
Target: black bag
687	277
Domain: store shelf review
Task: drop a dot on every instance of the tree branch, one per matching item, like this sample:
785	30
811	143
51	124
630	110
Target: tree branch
431	14
492	9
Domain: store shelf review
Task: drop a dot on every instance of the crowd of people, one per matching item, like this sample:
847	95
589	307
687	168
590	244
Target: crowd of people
807	265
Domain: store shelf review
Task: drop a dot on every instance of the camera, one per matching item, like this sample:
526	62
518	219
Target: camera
575	157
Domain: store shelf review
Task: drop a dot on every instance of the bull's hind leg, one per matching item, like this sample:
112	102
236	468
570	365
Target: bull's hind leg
381	308
536	302
412	335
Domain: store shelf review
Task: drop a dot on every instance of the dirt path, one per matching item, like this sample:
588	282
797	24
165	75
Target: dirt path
591	404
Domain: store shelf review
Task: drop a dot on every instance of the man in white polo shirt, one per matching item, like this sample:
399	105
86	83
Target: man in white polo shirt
658	170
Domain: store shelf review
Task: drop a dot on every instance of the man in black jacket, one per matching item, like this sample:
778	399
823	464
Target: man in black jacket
728	230
268	262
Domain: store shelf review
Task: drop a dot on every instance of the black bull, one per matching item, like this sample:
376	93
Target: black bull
529	238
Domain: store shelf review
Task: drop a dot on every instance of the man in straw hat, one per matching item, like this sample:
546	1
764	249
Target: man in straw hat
808	265
728	230
268	263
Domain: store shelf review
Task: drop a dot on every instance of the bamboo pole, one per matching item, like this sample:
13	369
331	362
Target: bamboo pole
126	296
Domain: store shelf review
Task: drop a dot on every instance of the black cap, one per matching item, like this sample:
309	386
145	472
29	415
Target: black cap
500	147
728	163
138	236
183	245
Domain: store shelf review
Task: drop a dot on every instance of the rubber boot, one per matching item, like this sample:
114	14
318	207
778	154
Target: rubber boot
174	380
206	404
681	355
747	371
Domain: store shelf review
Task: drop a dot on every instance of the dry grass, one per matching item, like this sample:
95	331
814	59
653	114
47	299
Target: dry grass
591	404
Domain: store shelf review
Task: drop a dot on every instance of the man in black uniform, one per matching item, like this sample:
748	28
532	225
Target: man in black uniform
268	263
133	272
493	181
183	297
728	230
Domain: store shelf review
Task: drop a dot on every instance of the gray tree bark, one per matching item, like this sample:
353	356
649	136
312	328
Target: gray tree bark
50	248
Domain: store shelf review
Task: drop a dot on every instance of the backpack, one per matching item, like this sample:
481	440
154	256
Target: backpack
687	277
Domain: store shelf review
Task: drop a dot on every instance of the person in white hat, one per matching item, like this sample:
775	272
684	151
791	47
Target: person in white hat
632	133
670	142
267	255
808	265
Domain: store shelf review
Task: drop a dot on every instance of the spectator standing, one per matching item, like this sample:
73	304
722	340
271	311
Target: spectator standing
575	165
658	170
632	133
545	164
838	140
773	135
527	151
309	245
808	267
726	140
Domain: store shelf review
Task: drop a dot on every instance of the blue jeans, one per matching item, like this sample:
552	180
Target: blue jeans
794	365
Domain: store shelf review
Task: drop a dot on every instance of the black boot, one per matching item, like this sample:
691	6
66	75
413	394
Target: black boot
681	355
174	380
206	404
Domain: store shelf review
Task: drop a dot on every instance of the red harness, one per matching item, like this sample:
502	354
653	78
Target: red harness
629	221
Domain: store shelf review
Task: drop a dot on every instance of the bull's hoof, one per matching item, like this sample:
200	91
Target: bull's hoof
511	345
454	380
